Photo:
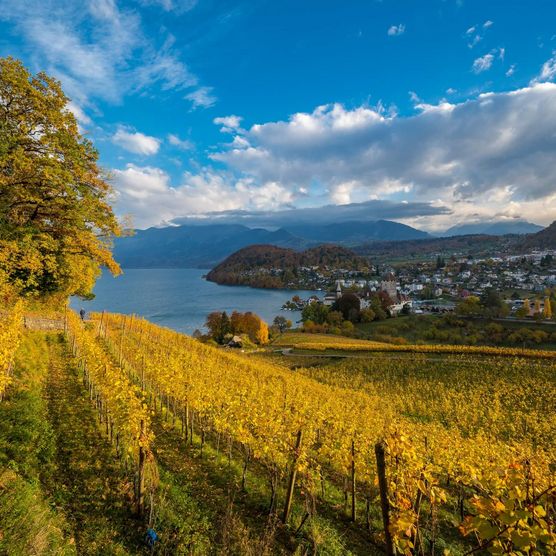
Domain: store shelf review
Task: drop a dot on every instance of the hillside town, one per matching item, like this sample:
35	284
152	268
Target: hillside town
437	286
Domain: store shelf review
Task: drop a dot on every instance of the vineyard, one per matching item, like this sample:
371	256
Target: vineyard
302	341
408	455
317	435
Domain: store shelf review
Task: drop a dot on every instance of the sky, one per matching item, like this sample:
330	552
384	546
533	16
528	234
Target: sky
430	113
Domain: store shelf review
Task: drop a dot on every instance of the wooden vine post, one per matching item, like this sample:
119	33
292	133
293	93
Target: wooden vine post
291	483
353	500
141	474
384	502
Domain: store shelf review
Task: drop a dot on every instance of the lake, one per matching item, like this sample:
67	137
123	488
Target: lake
181	299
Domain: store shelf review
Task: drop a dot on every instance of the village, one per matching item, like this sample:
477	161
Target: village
436	286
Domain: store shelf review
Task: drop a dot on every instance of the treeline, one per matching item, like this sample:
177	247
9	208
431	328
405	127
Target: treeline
268	266
342	316
491	305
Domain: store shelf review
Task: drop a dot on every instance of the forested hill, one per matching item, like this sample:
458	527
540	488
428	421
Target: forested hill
268	266
545	239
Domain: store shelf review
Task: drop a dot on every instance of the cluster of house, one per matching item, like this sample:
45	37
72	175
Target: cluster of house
425	288
523	274
387	284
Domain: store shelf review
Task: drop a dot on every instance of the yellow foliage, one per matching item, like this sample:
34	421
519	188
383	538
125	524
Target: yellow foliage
262	407
11	325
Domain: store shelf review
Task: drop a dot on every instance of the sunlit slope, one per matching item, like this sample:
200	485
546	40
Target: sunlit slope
264	407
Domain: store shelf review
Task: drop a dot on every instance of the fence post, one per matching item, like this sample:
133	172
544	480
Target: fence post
291	484
384	503
141	474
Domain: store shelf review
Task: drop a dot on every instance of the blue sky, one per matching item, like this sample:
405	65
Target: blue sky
444	110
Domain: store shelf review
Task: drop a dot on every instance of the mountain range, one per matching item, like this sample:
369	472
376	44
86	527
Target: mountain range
493	228
204	246
193	246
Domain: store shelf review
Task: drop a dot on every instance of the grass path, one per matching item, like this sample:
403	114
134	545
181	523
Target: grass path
212	487
88	482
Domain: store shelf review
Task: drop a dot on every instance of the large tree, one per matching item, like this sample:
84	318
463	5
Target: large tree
56	223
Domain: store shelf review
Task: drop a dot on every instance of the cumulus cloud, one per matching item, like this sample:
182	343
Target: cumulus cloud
148	194
396	30
483	63
494	152
136	142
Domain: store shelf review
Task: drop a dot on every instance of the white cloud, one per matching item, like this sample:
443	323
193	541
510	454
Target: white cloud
202	98
451	91
396	30
476	40
147	193
78	112
483	63
136	142
141	183
510	71
228	123
461	155
341	193
548	70
414	97
475	30
182	144
179	6
97	49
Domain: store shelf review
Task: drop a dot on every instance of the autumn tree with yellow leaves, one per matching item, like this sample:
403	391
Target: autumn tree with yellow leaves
547	310
56	224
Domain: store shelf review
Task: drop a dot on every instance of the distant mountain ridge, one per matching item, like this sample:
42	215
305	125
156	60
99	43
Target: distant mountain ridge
193	246
203	246
357	232
493	228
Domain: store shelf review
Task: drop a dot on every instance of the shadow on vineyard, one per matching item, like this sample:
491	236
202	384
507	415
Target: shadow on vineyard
241	520
88	483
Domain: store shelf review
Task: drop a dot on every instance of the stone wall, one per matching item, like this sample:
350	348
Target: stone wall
43	323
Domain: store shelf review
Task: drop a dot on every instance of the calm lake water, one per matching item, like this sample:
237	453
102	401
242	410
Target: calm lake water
181	299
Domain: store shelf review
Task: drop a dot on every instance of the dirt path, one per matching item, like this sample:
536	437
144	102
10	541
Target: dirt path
89	484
